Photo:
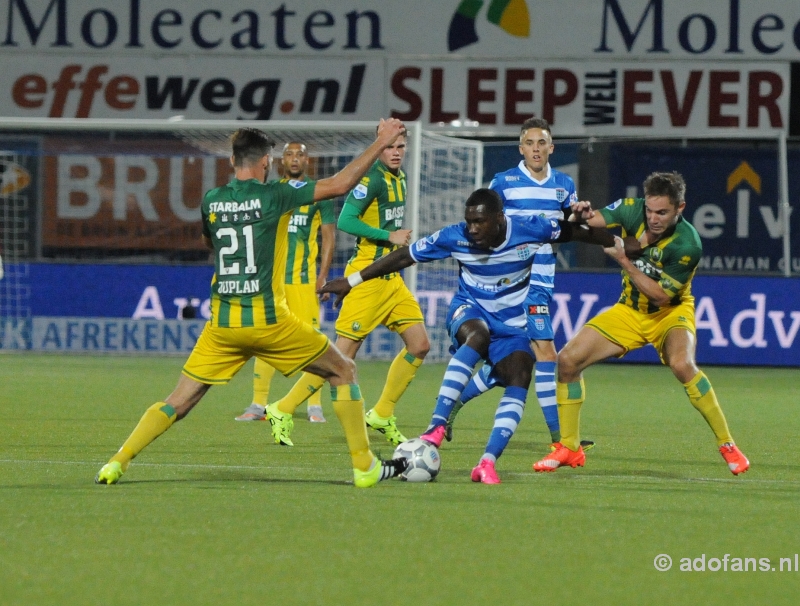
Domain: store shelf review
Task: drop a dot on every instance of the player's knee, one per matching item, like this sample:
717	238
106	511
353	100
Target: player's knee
566	364
479	342
516	370
684	370
519	378
346	370
419	348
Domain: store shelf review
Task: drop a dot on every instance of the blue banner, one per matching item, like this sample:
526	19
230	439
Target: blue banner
739	320
135	309
731	199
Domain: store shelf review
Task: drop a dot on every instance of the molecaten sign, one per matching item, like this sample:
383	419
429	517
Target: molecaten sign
580	29
625	67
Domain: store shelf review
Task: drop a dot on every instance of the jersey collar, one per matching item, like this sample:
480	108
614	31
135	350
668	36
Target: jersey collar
530	176
385	170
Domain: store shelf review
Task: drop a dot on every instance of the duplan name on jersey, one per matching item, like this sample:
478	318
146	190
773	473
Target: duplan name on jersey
232	287
234	207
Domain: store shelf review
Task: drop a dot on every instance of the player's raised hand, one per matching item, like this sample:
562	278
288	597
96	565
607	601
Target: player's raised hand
389	129
401	237
339	287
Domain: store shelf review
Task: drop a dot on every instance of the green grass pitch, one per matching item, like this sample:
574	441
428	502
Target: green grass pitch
214	513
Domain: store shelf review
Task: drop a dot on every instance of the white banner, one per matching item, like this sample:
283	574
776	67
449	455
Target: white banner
194	87
577	29
595	98
578	98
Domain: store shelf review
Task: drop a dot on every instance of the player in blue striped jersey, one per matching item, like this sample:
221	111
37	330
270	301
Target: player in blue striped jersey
534	189
487	318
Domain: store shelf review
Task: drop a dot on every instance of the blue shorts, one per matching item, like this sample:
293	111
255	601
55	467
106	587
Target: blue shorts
504	340
540	327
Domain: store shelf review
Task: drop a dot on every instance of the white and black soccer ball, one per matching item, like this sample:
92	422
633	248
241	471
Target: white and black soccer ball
423	460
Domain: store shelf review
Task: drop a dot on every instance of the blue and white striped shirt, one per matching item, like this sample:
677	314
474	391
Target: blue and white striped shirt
525	196
496	279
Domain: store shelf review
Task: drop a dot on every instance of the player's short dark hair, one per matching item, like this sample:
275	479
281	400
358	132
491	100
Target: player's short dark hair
671	185
535	123
486	197
249	145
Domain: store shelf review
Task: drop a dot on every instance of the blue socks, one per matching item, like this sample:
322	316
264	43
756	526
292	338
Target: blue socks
480	383
506	419
545	384
458	373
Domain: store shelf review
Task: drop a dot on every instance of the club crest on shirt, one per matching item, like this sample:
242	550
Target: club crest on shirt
297	184
561	194
360	191
523	251
656	254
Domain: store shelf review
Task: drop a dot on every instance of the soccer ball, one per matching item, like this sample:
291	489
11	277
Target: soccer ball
423	460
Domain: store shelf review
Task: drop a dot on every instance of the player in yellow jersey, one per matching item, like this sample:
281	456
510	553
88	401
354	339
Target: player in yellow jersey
245	224
656	306
302	278
373	212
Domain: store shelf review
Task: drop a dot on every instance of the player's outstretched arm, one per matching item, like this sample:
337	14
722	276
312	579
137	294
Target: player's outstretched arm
579	230
572	231
394	261
346	179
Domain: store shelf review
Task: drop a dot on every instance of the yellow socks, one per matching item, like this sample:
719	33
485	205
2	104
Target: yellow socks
307	385
262	377
570	397
703	398
401	373
156	420
349	407
315	399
